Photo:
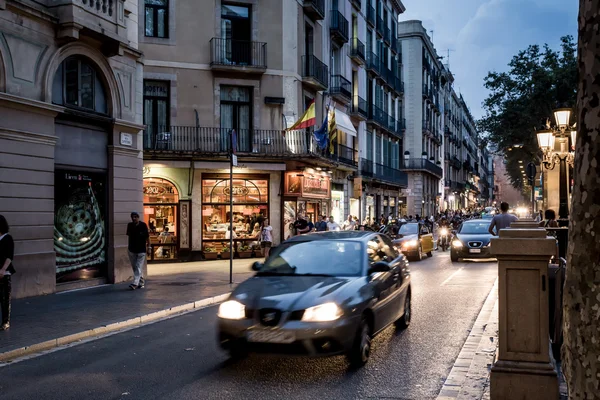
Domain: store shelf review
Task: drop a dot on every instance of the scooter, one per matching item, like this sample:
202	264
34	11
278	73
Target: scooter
444	240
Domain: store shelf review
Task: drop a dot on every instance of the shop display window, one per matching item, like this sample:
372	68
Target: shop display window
160	214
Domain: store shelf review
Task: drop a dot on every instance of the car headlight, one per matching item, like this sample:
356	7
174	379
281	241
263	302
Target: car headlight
322	313
443	231
488	245
410	243
457	243
232	309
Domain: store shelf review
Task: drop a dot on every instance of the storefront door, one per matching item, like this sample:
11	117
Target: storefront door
161	215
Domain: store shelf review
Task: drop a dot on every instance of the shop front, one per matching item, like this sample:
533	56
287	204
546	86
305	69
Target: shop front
307	194
250	195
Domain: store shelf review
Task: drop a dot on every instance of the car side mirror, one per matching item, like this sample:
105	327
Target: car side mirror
380	266
257	266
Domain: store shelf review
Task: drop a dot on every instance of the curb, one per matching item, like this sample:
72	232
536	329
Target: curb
116	326
469	377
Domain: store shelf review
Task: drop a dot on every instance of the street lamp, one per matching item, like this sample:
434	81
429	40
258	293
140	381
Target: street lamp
546	140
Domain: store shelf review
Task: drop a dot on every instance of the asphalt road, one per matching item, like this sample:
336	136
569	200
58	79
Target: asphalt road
179	358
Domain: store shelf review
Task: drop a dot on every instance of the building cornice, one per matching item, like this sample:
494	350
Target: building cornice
128	127
123	151
28	137
400	7
30	105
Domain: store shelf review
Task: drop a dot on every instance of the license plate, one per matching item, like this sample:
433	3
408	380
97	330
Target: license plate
474	250
271	336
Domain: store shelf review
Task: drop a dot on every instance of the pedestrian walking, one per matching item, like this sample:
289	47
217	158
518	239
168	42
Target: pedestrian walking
502	220
137	231
266	237
7	253
549	220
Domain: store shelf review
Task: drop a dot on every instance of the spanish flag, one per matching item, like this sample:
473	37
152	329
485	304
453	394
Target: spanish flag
308	119
332	130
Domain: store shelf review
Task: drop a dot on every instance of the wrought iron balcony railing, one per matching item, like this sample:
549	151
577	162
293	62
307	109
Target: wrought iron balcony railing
340	86
382	172
357	51
339	27
373	63
315	70
315	9
370	15
359	107
237	53
421	164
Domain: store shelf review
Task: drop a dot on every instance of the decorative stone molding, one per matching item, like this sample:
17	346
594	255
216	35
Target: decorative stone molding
30	105
29	137
127	126
123	151
106	72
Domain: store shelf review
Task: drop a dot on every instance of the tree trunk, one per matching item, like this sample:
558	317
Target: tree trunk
581	348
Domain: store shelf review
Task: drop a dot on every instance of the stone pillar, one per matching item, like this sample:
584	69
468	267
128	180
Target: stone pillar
524	368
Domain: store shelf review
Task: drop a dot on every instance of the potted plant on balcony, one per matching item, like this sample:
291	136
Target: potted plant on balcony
258	251
210	253
245	251
225	252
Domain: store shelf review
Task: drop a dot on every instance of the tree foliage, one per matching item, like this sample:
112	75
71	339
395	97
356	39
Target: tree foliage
538	80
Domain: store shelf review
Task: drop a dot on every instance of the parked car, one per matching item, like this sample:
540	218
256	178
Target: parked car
471	240
414	240
320	294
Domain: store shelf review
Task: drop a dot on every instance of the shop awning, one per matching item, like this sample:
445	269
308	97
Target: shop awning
342	120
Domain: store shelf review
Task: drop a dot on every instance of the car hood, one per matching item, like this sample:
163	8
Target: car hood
480	237
404	238
290	293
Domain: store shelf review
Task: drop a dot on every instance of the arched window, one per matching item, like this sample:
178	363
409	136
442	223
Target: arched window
77	84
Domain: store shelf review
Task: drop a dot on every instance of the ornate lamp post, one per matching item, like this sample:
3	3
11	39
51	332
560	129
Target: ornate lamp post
547	138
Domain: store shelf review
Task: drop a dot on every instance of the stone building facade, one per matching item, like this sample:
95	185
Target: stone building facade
70	160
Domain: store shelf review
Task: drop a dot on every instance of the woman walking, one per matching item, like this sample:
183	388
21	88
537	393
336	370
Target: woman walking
549	220
7	253
266	237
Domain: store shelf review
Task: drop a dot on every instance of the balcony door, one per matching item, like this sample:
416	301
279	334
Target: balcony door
236	113
236	32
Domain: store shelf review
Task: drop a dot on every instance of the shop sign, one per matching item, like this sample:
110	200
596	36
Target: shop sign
156	190
237	190
316	187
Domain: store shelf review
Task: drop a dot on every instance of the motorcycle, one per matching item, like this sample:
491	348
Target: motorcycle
444	240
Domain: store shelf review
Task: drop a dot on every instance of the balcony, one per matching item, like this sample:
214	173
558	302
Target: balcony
176	141
380	25
315	9
359	108
387	35
238	55
398	85
370	15
373	64
394	46
315	73
377	117
357	4
425	91
402	124
447	131
420	164
357	51
394	127
339	27
383	173
340	88
455	163
103	20
428	127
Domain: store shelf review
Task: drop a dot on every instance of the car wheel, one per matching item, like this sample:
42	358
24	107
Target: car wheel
453	257
361	349
419	253
404	321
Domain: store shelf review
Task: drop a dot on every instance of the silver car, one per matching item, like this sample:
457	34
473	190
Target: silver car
320	294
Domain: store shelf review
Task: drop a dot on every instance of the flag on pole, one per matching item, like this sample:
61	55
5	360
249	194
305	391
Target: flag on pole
332	130
321	136
308	119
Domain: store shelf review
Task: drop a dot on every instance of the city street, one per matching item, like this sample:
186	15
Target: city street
179	358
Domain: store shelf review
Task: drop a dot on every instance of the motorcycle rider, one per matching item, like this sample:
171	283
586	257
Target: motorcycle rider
444	224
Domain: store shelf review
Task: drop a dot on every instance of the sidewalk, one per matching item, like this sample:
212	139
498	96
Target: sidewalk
38	320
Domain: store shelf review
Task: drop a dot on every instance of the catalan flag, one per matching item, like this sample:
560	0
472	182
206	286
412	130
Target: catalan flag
332	130
308	119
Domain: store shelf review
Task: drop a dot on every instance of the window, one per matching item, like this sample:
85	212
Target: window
156	109
369	145
236	113
157	18
77	84
236	31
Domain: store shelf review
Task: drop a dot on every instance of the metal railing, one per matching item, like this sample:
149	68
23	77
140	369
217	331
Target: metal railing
428	127
394	45
398	85
314	68
378	116
373	63
382	172
340	85
339	26
387	34
370	14
421	164
259	142
238	53
358	49
359	106
402	122
380	25
315	7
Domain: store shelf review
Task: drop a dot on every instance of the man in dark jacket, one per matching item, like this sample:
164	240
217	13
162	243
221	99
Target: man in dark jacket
137	231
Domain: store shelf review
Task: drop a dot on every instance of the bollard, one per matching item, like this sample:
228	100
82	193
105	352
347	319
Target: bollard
524	368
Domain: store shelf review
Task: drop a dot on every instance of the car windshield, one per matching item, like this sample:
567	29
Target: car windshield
409	229
473	228
316	257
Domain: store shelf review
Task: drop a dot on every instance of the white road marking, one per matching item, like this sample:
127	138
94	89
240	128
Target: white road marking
451	276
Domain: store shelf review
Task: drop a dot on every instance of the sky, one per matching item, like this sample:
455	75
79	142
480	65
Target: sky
485	34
